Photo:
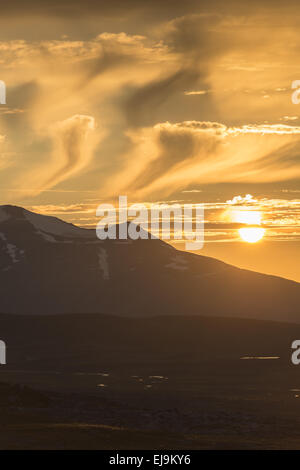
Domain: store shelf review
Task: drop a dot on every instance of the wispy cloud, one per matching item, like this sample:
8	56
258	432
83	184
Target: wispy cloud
179	154
199	92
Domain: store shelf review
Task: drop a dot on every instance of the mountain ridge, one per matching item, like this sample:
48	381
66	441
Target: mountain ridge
56	267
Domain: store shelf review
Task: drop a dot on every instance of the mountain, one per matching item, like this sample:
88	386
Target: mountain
48	266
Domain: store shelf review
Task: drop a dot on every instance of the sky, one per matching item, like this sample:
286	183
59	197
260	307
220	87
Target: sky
186	102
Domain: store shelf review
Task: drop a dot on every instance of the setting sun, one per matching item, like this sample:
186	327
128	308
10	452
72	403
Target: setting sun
252	234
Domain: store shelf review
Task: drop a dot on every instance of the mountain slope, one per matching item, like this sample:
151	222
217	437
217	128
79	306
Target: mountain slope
48	266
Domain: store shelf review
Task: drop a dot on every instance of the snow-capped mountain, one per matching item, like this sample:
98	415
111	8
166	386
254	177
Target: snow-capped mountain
48	266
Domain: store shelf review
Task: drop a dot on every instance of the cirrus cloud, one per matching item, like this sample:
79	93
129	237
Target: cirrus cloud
168	157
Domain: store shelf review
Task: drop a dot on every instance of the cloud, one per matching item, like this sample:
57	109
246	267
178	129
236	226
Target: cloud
51	79
289	118
113	9
5	157
73	143
71	151
193	47
240	200
169	157
162	149
280	216
192	191
177	144
279	129
133	76
199	92
66	209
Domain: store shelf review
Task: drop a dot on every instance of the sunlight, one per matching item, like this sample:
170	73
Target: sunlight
252	234
247	217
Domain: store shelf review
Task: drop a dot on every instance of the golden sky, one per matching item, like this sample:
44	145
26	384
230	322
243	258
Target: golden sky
161	101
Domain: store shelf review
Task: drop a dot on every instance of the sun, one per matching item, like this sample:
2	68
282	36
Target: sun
253	219
251	234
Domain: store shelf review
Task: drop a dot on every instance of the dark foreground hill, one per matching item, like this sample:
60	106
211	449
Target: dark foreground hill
103	382
48	266
89	341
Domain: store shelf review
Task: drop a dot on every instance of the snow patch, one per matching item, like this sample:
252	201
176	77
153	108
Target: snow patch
46	236
178	262
12	251
56	226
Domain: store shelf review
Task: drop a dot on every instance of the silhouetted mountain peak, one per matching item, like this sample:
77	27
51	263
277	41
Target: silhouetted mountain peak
48	266
42	224
7	211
